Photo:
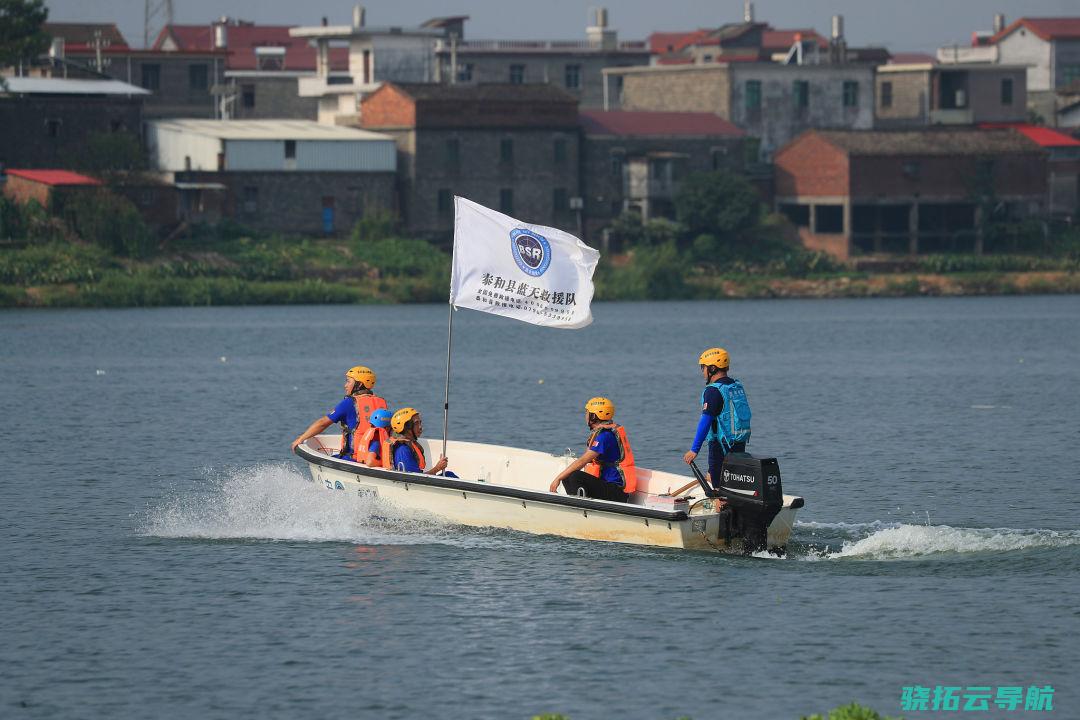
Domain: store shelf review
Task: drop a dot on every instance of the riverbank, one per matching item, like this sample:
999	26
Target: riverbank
281	271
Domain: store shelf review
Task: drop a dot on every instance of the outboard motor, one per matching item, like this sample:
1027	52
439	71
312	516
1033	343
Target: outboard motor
751	486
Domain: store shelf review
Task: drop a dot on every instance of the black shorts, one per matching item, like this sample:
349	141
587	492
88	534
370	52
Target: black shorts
594	487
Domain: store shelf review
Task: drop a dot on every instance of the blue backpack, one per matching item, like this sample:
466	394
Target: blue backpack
733	424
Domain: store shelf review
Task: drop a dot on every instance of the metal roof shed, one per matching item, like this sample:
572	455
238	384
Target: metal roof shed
268	146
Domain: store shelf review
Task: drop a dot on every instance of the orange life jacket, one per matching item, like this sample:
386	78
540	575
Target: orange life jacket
364	455
365	405
624	465
402	440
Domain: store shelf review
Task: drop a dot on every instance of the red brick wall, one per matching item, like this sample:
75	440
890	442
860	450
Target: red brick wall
387	107
22	190
810	166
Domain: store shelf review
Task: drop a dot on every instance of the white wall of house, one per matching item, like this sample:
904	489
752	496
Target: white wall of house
1023	47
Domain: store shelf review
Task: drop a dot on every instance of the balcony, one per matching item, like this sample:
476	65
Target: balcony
316	86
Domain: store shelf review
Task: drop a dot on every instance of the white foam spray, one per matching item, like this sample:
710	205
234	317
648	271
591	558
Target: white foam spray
277	502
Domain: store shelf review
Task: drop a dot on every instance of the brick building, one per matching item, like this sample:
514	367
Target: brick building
281	176
1063	166
635	160
920	94
906	191
770	101
510	147
48	188
47	121
179	81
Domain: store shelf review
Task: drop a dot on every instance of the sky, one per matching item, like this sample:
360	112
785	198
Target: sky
899	25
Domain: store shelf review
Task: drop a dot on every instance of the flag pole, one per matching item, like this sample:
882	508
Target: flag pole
446	396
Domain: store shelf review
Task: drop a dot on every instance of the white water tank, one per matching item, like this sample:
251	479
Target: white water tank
221	34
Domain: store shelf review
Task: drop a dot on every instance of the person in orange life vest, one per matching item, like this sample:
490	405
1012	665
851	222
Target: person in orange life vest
352	412
606	470
408	426
374	447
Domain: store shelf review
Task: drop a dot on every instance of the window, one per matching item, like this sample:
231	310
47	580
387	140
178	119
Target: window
506	150
559	202
1007	91
719	155
753	95
270	58
829	218
445	202
506	201
453	154
801	90
1069	74
251	199
290	149
851	93
52	127
198	77
464	73
617	158
886	94
912	169
559	151
573	77
707	58
151	76
517	74
247	96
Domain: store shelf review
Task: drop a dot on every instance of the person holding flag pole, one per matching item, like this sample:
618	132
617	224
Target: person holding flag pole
503	266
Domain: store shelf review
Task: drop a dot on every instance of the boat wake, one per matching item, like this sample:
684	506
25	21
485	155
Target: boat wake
894	541
277	502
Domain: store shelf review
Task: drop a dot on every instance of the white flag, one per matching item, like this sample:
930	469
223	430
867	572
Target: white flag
538	274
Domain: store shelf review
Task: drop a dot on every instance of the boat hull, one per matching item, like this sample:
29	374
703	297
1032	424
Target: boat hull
493	502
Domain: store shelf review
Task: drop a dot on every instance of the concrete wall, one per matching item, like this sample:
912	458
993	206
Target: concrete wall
26	123
678	89
984	96
294	202
1023	47
911	100
175	96
276	97
779	119
550	67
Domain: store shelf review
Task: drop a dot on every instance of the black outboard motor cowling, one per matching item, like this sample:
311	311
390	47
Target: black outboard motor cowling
751	485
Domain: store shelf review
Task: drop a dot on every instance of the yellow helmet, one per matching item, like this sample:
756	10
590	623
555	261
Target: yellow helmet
601	407
402	417
362	375
717	357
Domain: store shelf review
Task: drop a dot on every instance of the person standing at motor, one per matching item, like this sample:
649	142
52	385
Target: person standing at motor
606	469
725	413
408	455
353	412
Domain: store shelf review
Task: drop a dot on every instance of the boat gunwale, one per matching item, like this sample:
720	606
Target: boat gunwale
464	485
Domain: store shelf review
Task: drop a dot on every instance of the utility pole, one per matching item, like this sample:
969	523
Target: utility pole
156	13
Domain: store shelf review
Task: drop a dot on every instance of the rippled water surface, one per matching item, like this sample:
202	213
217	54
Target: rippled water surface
164	556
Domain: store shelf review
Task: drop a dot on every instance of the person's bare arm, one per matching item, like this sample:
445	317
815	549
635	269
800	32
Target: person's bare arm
314	429
588	457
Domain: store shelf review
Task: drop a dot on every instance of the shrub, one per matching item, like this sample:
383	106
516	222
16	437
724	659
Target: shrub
721	203
854	711
111	222
654	273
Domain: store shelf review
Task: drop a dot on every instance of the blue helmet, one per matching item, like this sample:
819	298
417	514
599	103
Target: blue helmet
380	418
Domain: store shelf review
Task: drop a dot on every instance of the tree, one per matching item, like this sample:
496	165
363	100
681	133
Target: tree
719	203
22	38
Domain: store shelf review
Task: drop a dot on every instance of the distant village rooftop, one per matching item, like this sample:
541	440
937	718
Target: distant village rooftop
643	123
266	130
66	86
960	141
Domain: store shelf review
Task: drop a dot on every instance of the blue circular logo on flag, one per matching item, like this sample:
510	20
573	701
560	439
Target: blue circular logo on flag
532	252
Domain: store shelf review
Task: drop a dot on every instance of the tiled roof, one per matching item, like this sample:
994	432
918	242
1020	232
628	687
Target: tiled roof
780	40
661	43
1059	28
54	177
82	34
243	38
484	92
623	122
1043	136
928	142
912	58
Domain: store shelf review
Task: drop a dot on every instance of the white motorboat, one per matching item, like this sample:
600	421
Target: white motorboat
504	487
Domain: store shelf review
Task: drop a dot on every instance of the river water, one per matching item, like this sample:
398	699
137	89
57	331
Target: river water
165	556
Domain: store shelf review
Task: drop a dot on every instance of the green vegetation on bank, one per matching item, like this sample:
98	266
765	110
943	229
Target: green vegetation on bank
95	251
